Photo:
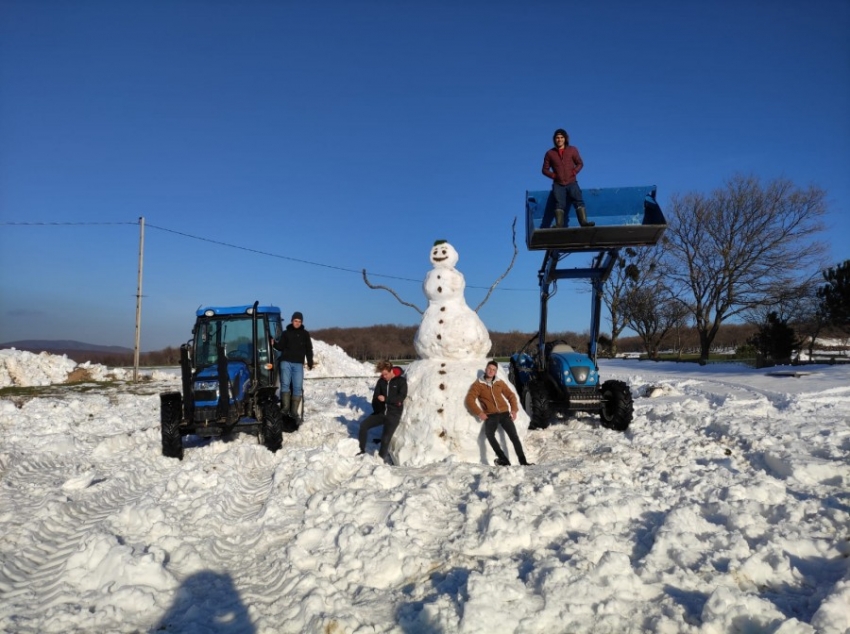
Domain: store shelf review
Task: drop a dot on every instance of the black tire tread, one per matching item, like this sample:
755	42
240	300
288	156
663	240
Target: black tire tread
170	414
617	405
272	432
540	411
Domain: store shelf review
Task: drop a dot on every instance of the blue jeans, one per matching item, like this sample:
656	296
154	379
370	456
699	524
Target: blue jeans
292	373
566	195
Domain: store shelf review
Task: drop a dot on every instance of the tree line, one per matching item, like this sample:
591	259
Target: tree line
390	341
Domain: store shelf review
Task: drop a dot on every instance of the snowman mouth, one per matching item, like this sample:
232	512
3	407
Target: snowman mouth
440	259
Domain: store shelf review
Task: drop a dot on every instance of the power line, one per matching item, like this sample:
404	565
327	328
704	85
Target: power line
272	255
236	246
74	224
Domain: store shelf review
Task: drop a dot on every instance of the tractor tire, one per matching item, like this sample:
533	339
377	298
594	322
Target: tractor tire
513	374
617	406
535	402
271	432
170	414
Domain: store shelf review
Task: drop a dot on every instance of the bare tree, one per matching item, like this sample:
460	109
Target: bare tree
624	273
742	247
653	314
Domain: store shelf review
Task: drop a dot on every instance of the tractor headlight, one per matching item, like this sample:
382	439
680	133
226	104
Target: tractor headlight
206	386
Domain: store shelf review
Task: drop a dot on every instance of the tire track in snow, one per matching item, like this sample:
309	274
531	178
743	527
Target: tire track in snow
35	567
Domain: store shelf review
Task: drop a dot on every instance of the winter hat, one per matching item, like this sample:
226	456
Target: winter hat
297	315
560	131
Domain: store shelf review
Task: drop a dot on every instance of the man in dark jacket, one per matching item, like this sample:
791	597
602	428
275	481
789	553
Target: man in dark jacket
562	164
387	406
295	348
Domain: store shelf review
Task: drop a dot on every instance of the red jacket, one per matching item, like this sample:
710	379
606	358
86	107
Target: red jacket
562	169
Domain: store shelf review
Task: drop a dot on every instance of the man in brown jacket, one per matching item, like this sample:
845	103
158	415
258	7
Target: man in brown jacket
493	402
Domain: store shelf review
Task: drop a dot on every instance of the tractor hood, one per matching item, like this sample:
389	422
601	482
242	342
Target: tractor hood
573	369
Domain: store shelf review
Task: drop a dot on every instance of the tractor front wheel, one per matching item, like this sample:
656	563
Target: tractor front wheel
617	406
535	402
271	433
170	414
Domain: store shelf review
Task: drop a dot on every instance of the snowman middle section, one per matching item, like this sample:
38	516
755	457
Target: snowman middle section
450	329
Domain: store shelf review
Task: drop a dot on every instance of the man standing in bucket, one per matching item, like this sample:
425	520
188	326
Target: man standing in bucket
562	164
295	348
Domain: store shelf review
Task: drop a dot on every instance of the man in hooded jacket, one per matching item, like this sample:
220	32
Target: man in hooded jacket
296	347
387	407
562	164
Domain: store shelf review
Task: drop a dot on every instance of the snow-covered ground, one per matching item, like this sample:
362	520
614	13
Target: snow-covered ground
724	508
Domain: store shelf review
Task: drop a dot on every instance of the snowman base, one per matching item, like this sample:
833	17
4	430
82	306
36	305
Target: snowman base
436	425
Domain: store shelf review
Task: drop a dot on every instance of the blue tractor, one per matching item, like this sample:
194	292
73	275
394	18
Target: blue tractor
553	376
230	380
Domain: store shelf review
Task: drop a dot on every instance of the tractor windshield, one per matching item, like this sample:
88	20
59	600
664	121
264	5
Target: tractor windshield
233	337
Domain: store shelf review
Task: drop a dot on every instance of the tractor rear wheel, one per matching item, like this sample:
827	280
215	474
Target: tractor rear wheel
271	434
170	414
617	406
535	402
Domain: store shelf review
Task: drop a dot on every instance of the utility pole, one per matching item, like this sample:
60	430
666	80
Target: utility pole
139	298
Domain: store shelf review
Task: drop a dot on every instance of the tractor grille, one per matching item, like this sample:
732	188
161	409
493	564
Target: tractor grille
206	395
584	397
203	414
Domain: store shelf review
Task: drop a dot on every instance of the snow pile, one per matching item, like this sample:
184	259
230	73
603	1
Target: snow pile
20	368
332	361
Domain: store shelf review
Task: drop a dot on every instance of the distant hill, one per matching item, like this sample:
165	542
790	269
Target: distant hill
73	349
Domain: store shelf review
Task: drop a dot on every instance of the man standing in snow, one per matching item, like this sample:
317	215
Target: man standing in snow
295	347
387	406
562	164
492	401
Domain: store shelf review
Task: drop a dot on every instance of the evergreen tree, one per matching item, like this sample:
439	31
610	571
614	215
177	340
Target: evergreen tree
834	296
775	339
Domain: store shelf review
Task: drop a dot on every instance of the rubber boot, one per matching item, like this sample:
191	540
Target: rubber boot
559	217
296	407
284	401
581	214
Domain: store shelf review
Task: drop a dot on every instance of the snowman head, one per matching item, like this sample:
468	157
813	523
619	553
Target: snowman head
443	255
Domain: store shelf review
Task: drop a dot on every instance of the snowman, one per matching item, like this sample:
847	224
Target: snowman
452	343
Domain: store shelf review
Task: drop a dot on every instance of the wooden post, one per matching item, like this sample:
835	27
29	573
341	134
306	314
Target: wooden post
139	299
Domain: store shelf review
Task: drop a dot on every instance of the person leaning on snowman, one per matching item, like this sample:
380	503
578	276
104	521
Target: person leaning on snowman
387	406
492	401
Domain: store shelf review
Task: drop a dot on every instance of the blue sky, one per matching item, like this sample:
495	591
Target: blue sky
332	137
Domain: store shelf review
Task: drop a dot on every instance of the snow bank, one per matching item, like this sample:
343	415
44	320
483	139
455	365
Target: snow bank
25	369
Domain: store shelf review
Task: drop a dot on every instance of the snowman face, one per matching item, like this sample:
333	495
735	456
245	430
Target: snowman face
443	256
